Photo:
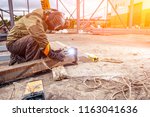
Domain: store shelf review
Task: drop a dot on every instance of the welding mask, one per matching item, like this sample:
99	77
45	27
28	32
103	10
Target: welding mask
55	20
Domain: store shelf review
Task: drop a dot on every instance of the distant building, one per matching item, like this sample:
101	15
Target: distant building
141	13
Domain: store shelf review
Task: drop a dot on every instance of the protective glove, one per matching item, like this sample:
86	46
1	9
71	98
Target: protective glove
56	55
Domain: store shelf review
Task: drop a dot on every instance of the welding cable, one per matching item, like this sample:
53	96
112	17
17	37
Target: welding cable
96	81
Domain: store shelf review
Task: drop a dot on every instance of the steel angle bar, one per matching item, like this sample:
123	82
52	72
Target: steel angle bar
78	15
4	22
11	12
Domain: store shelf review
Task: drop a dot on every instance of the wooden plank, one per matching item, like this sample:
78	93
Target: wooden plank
12	73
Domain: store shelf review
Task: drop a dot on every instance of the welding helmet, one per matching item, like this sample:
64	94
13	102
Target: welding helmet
55	20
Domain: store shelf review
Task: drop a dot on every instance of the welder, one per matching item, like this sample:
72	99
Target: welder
27	40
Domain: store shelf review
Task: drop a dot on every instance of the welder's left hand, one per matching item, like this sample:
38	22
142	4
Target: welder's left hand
56	55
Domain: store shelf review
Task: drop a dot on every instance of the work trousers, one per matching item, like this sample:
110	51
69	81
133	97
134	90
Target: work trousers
25	49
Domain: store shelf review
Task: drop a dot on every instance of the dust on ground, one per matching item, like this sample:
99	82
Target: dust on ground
106	79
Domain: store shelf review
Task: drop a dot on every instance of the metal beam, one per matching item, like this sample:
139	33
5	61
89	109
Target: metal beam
75	10
83	8
66	8
117	14
7	11
78	15
28	6
11	12
131	13
4	22
106	14
97	9
57	4
2	13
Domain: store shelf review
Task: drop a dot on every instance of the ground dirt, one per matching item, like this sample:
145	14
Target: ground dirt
122	72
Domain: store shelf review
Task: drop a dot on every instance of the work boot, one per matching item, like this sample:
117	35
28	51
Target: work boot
12	60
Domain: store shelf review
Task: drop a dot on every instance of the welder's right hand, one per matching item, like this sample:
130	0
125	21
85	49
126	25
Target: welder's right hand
56	55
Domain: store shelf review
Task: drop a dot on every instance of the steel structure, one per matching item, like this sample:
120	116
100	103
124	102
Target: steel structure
11	13
28	6
78	2
131	13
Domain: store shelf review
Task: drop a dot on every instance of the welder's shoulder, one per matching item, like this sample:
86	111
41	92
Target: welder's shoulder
32	20
36	15
39	11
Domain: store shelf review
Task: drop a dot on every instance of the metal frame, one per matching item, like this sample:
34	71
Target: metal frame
4	23
78	2
28	6
11	13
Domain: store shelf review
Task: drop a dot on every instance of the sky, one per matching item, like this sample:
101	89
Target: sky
90	6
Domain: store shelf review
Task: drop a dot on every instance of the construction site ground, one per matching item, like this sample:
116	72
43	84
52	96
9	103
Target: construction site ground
122	72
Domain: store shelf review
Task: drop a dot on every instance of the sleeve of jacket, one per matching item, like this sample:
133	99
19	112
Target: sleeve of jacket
35	28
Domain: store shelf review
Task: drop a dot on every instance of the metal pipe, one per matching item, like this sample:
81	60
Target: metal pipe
97	9
57	4
23	13
106	13
28	6
4	22
131	13
2	13
6	11
74	10
83	9
11	12
93	14
78	15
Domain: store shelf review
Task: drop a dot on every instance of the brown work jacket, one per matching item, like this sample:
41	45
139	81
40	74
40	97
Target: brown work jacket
31	24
